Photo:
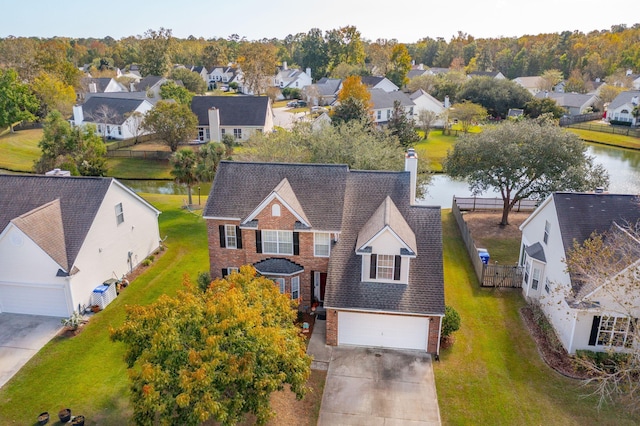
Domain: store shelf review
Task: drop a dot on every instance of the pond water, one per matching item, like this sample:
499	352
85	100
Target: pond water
623	166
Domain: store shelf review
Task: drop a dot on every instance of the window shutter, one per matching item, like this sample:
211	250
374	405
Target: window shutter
396	268
238	237
223	239
296	243
258	241
224	272
595	326
374	266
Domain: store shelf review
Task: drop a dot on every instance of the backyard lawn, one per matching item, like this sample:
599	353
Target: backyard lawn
493	373
19	150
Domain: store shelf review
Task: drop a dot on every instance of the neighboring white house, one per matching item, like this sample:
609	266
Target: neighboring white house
376	82
533	84
621	108
493	74
292	78
114	118
98	85
382	104
239	116
150	85
61	237
584	316
324	92
424	101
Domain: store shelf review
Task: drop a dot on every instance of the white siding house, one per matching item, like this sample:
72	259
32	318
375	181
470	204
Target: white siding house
53	254
114	118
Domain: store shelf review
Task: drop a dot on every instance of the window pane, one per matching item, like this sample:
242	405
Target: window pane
119	213
285	242
230	231
295	287
385	267
322	241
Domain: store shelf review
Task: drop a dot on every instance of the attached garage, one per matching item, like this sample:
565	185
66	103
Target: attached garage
33	300
382	330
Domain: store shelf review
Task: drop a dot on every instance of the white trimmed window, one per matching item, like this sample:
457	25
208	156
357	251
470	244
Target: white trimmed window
277	242
527	270
230	236
385	267
546	285
119	214
616	331
321	244
237	133
295	288
228	271
280	283
275	210
535	279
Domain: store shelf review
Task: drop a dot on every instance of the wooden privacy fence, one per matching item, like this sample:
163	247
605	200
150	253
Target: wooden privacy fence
488	275
149	155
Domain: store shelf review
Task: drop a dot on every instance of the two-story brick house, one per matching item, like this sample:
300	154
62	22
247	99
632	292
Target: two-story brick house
353	241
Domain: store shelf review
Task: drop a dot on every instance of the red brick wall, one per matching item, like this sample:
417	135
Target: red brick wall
223	257
332	327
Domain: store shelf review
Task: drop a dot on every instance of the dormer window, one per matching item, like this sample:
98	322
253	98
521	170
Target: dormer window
385	267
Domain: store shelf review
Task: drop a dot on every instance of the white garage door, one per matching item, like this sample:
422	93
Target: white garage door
34	300
387	331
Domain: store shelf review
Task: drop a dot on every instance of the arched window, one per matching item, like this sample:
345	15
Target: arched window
275	210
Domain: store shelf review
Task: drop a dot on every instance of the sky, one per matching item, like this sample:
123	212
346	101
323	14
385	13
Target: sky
404	20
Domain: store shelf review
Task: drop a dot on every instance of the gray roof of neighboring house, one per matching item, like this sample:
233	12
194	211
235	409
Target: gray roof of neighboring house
530	82
383	99
416	73
424	294
335	198
328	86
234	110
79	201
581	214
568	100
109	110
437	70
148	82
623	98
125	95
371	80
101	83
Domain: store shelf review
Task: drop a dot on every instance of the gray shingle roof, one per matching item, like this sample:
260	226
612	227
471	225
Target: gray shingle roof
536	251
240	187
80	199
277	266
623	98
234	110
387	215
149	82
382	99
101	83
570	100
109	110
328	86
424	294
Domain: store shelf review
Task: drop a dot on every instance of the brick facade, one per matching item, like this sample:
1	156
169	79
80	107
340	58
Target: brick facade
229	257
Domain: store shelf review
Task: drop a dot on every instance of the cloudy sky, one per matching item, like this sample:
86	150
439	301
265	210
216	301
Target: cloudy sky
405	20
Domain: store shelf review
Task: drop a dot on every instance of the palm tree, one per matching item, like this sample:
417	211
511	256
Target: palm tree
184	168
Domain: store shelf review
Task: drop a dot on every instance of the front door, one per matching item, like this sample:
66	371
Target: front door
319	285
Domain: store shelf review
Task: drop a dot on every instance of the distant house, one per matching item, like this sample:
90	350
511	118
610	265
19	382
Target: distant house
573	103
353	242
493	74
61	237
382	104
583	314
533	84
114	118
239	116
622	107
324	92
424	101
225	75
202	71
150	85
292	78
98	85
376	82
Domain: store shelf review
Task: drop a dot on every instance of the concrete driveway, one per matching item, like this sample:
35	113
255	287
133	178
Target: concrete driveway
367	386
285	119
21	337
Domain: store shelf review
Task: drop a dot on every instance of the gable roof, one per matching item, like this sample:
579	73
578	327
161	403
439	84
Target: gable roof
287	196
383	99
530	82
581	214
44	226
568	100
240	186
328	86
101	83
148	82
114	109
387	216
79	199
234	110
623	98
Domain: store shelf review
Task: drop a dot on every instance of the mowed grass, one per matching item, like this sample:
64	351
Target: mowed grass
435	148
19	150
493	373
136	168
87	373
621	141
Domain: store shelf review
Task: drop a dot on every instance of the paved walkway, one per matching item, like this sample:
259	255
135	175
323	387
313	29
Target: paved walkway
374	386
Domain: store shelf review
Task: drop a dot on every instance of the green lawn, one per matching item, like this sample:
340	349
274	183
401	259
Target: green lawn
86	372
493	374
135	168
19	150
435	148
607	138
